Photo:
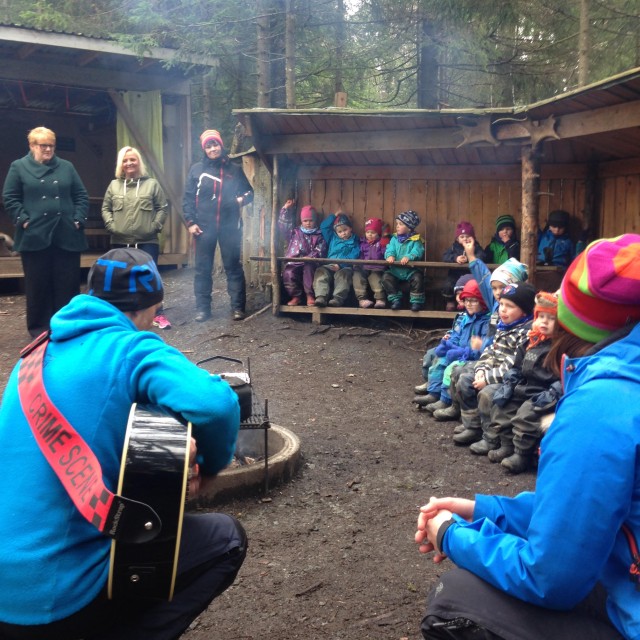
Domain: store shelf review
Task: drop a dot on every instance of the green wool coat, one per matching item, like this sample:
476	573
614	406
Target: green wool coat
52	198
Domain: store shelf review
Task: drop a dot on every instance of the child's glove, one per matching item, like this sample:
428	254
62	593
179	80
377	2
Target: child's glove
442	348
544	401
457	353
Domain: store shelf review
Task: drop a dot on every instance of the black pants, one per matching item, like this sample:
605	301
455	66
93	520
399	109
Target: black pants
51	279
230	240
464	607
212	549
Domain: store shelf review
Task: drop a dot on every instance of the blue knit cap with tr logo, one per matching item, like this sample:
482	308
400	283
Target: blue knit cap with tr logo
127	278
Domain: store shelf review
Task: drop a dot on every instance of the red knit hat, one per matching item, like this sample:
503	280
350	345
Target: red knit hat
374	224
600	292
210	134
472	290
466	228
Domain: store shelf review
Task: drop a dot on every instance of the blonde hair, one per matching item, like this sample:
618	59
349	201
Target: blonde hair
121	154
40	132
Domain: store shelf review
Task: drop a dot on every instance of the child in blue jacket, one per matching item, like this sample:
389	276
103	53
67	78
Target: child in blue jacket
464	344
343	244
555	247
405	246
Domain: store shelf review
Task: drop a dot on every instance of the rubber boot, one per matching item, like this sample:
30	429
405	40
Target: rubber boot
484	447
452	413
518	462
423	401
506	449
422	389
435	406
473	430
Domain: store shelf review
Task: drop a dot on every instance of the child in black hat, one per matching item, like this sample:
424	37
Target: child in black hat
555	246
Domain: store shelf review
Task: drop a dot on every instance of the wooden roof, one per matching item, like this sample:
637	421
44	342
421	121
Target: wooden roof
70	73
597	123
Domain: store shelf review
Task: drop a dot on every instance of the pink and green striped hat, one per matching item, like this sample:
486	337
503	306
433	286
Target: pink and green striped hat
600	292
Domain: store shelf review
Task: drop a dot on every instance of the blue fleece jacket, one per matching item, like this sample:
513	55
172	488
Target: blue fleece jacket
52	561
349	248
551	547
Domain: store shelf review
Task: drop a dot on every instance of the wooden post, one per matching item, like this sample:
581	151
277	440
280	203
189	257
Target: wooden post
340	99
275	276
590	227
529	229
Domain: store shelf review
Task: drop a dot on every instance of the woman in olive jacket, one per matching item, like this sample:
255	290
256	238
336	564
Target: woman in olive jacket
134	211
46	200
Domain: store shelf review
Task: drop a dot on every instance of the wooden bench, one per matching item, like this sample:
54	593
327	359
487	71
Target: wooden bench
318	314
11	266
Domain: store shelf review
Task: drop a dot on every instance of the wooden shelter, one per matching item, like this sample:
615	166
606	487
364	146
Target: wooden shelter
75	85
579	151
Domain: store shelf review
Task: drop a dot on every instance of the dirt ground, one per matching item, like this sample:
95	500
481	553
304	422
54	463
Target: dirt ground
331	553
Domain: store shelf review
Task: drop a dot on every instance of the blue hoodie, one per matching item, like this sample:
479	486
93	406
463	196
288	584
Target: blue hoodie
52	561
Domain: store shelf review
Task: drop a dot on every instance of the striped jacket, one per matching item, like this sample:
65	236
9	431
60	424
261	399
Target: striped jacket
500	355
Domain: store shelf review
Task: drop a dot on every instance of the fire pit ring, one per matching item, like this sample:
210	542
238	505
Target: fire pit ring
283	462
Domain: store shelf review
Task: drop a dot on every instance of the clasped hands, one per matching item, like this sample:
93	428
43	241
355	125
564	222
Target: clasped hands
433	515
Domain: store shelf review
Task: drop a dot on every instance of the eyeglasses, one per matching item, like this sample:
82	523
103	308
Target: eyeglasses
471	301
44	147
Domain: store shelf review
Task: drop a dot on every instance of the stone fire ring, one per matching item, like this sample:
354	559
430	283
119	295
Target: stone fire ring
283	462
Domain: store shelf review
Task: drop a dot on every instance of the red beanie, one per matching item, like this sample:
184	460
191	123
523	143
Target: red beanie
374	224
466	228
210	134
472	290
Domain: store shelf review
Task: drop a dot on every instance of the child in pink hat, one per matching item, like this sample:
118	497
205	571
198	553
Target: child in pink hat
455	253
305	241
367	279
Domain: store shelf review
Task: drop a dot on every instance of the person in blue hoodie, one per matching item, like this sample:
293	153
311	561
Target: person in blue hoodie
343	244
100	359
562	561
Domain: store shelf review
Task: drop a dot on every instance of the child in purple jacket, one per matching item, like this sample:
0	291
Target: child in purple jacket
368	278
305	241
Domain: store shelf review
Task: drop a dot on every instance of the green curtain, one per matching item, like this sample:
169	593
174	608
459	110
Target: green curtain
146	110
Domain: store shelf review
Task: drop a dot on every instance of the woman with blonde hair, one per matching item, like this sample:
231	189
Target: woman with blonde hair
47	202
134	210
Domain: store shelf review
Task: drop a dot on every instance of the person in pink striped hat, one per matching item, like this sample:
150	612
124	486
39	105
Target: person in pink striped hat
563	561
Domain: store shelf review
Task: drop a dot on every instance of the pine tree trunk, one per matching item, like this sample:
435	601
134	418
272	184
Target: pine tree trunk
583	53
427	68
290	55
263	67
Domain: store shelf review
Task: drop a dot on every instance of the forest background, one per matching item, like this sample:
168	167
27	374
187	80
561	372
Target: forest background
374	54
